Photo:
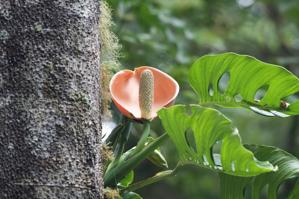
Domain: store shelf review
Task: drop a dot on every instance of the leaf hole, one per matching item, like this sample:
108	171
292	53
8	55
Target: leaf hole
285	188
189	136
211	90
292	98
261	92
216	151
223	82
285	102
238	98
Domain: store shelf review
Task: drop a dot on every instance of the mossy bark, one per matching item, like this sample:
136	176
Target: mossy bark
49	99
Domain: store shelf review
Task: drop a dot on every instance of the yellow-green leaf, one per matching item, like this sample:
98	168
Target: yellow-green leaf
207	126
233	80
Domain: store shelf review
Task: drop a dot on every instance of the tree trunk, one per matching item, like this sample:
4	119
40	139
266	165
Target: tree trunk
49	99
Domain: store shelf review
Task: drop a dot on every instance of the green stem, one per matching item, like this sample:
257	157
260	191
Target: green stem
124	167
144	136
158	177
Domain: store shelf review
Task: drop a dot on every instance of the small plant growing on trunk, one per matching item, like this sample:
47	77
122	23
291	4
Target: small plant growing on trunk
147	92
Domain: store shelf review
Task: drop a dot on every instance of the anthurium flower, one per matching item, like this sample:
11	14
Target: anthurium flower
141	93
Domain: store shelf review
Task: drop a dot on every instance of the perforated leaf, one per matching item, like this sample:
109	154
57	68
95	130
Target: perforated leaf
295	192
288	168
233	80
207	126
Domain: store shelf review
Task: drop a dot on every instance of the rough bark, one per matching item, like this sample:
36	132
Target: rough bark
49	99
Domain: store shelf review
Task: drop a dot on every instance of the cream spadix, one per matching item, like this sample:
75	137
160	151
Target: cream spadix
146	93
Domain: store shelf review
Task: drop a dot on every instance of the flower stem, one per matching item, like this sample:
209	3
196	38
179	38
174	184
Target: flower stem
144	136
123	167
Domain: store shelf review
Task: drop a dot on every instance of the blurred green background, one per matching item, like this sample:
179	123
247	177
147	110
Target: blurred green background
171	34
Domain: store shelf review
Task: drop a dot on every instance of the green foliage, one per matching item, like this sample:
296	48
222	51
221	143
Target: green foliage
249	83
208	126
295	192
119	168
158	159
171	34
156	178
195	129
288	168
127	180
131	195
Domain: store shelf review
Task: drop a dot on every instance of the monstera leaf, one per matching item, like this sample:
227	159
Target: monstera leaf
205	127
233	187
295	192
233	80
